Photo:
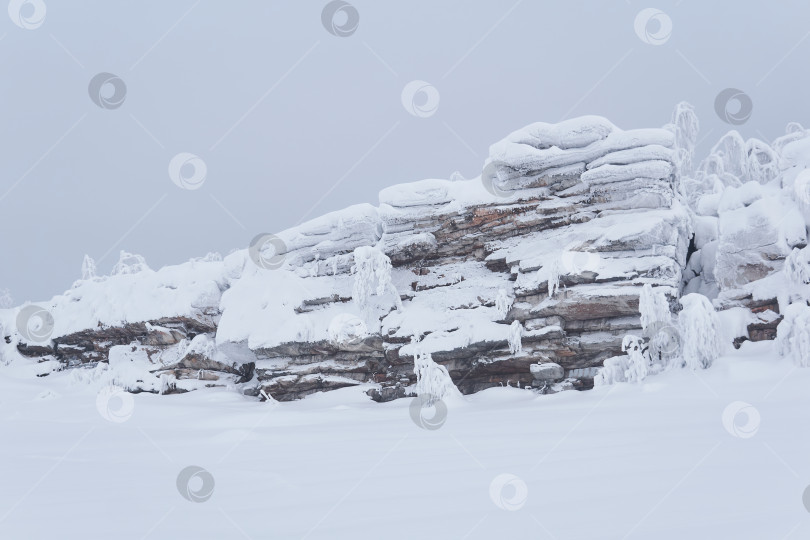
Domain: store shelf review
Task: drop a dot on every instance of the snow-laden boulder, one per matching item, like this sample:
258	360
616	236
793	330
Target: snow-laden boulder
754	239
555	156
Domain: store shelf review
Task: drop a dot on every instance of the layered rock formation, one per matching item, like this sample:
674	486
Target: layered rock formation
539	261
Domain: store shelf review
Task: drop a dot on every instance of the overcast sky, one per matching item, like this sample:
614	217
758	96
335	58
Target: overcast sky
292	121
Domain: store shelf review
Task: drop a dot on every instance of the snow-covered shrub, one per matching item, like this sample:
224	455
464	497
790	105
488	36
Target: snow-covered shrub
129	263
612	372
131	368
653	307
503	303
633	367
699	328
100	372
763	163
793	334
346	329
637	362
201	345
433	382
168	383
372	275
88	268
732	158
656	322
801	188
515	337
313	267
797	267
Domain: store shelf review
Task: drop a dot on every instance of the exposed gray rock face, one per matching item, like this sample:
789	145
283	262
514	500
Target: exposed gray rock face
548	372
93	345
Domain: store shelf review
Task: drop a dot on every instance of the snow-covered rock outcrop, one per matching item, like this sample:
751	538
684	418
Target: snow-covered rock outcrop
541	260
751	209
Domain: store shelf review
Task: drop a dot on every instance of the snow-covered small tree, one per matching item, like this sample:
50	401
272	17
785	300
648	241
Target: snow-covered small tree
793	334
685	126
515	337
433	382
88	267
372	275
699	328
633	367
503	303
129	263
314	266
612	371
763	162
637	362
797	267
656	322
653	307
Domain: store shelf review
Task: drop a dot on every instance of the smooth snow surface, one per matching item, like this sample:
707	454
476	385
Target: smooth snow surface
656	459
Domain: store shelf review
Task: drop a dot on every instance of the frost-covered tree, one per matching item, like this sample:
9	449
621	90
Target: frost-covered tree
515	337
699	328
763	162
88	267
372	275
793	334
685	126
503	303
129	263
433	382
